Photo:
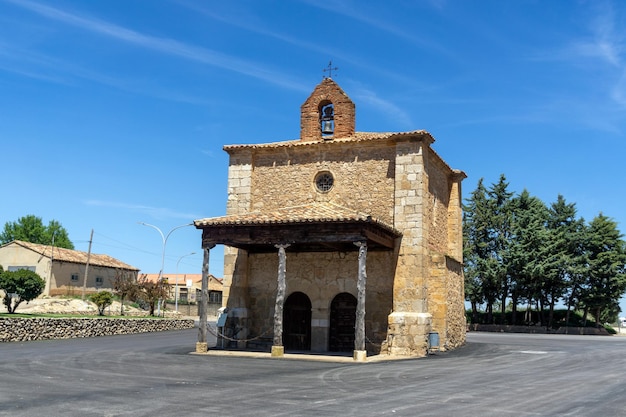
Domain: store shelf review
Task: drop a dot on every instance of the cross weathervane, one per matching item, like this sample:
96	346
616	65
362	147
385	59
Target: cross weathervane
330	69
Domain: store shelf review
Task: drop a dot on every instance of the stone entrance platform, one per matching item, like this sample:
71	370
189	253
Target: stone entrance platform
320	357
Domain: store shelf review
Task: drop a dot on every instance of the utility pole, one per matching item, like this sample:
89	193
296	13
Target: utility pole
49	283
87	266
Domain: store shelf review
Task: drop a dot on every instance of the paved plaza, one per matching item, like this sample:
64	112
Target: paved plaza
155	374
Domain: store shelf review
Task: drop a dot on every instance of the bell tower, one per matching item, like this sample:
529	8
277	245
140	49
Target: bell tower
327	114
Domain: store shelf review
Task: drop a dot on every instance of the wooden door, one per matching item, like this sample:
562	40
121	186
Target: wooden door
342	321
297	322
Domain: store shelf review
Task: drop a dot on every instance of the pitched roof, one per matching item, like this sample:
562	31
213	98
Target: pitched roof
73	256
325	212
355	137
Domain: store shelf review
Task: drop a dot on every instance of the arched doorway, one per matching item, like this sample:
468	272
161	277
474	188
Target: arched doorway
297	322
342	320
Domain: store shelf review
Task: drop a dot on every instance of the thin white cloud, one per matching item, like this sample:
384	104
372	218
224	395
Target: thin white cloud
163	45
28	64
619	90
250	23
601	51
353	11
45	68
153	212
608	42
393	112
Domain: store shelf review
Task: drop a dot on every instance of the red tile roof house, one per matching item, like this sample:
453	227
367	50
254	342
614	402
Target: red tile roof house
64	269
188	289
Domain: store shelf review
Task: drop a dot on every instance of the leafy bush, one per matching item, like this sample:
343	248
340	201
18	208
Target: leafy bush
102	299
532	318
610	329
20	285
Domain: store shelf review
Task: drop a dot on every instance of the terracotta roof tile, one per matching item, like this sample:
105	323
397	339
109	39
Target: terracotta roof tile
74	256
215	284
356	137
308	213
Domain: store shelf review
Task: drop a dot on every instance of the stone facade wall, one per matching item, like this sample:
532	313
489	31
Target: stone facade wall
321	276
445	277
363	177
436	213
446	295
456	324
24	329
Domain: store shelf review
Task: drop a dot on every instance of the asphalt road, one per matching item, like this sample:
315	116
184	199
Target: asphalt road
154	375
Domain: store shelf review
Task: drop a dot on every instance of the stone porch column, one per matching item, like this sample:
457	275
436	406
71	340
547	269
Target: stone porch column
202	346
278	349
359	331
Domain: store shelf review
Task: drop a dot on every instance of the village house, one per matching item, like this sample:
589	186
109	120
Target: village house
187	289
64	269
342	240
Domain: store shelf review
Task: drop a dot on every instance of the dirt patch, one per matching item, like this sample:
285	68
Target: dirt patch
69	306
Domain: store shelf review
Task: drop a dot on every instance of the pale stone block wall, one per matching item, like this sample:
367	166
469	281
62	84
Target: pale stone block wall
408	333
321	276
410	190
239	182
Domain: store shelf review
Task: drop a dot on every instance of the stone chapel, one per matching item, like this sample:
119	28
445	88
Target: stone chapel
341	241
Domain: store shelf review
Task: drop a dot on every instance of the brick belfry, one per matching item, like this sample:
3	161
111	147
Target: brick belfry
341	240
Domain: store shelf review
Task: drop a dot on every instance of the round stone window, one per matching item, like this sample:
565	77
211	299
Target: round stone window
324	181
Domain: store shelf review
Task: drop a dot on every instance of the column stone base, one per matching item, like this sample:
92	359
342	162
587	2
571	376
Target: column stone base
201	347
278	351
360	355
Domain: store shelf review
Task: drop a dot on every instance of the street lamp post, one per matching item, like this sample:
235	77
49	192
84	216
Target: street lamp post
176	288
164	239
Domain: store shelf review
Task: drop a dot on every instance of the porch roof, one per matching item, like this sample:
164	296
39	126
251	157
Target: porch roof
315	227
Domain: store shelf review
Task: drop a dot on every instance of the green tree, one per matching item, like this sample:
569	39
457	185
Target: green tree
486	233
475	243
566	263
31	229
152	291
496	272
19	286
606	274
102	299
526	254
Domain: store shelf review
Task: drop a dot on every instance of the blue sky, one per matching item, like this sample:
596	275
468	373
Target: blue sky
115	112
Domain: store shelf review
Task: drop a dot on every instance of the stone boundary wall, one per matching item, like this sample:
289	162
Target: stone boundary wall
498	328
25	329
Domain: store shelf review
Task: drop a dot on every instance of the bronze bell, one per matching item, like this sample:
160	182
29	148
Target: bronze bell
328	126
